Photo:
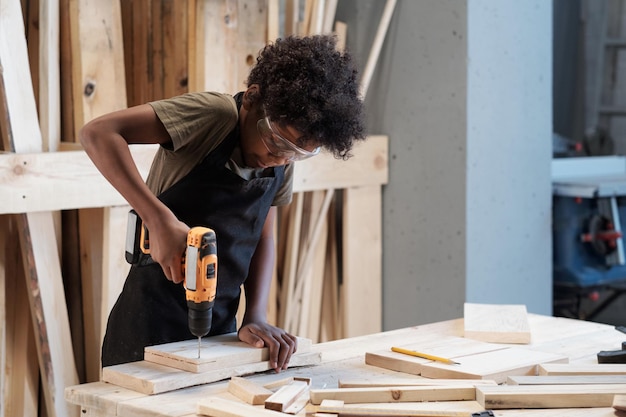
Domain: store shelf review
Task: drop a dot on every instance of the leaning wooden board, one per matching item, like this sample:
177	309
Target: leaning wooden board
154	378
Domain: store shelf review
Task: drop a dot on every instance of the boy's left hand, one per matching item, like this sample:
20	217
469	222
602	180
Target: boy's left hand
280	343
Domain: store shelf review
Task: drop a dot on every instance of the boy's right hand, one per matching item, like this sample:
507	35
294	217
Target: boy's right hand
168	241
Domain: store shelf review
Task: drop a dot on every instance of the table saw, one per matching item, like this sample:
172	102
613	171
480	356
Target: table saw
589	211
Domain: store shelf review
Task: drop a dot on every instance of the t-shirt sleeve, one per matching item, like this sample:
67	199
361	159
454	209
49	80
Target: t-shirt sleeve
285	192
191	117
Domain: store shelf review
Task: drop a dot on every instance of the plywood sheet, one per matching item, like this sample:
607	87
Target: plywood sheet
451	347
553	396
496	365
497	323
152	378
216	352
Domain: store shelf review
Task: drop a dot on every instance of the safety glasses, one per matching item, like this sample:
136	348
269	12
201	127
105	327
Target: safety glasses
279	146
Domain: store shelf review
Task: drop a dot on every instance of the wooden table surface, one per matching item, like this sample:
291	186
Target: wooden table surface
344	359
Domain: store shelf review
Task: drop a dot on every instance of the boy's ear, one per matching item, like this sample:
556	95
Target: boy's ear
251	96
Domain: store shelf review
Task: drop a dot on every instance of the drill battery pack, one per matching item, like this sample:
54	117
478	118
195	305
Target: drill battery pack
137	238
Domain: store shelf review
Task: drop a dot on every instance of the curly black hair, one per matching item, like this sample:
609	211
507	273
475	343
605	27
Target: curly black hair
307	83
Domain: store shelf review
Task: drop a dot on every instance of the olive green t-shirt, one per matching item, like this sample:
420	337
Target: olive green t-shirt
197	124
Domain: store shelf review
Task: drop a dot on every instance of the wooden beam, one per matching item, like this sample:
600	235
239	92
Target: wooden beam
547	396
65	180
458	392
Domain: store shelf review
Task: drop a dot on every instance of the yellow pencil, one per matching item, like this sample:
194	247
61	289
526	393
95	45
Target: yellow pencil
424	355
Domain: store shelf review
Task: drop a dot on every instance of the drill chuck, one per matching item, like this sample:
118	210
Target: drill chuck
200	317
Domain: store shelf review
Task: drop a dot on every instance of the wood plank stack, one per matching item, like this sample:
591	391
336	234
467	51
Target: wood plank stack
77	59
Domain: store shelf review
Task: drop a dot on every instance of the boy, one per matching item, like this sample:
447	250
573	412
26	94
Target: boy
224	162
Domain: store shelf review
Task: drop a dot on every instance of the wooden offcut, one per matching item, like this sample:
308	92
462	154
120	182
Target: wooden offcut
220	407
248	391
496	365
496	323
216	352
456	392
550	396
286	395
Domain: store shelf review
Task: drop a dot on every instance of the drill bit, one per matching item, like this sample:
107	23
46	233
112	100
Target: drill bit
199	339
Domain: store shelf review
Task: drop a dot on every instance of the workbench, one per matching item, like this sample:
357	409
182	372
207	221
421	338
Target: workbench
343	359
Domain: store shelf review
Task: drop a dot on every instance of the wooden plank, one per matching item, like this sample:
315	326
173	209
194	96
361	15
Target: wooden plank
19	392
361	289
497	323
286	395
65	180
19	99
97	59
496	365
151	378
397	382
565	379
619	402
458	392
372	59
220	407
424	409
49	74
448	346
248	391
552	396
49	311
582	369
216	352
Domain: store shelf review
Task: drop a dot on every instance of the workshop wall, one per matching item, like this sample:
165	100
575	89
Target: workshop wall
463	89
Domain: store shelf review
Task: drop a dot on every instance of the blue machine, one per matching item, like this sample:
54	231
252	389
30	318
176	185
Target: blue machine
588	216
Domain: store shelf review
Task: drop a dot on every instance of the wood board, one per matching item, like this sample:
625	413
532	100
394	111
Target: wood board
565	380
458	392
496	365
582	369
409	409
449	347
152	378
553	396
216	352
496	323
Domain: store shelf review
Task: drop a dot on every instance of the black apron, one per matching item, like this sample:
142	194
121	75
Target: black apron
152	310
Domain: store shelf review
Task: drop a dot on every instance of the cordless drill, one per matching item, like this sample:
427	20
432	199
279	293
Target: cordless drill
199	269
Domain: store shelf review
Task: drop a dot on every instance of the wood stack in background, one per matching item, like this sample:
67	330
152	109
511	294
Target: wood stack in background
62	228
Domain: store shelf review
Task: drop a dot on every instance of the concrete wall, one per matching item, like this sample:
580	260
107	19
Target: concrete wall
463	89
